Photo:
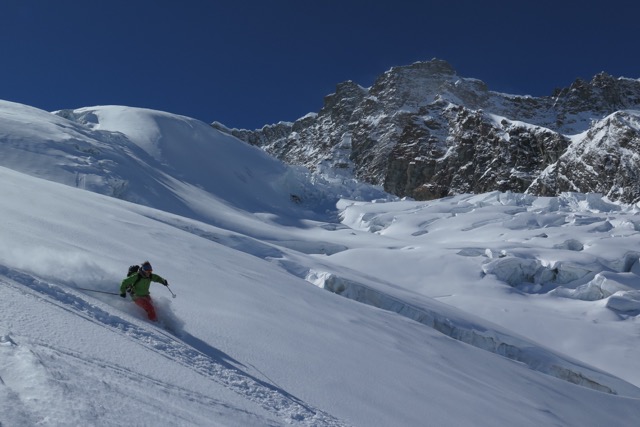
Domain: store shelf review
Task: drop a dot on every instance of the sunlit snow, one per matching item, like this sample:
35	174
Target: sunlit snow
300	299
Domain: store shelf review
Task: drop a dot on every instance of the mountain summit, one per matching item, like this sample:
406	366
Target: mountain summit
423	131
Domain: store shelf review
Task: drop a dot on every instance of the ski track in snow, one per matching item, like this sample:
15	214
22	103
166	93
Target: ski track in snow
27	364
270	397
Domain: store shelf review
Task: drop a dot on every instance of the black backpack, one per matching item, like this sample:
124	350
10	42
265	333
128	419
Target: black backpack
133	270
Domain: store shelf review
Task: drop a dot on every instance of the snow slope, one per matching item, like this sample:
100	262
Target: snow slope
485	310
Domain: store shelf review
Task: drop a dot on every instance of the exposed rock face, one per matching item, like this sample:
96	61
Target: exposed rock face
605	160
424	132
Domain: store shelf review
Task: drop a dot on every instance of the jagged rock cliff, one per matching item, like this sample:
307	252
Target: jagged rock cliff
424	132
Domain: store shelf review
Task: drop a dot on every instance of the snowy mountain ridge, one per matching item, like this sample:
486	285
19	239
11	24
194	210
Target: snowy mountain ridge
452	306
424	132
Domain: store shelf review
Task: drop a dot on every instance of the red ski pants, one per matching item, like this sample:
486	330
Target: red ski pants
147	305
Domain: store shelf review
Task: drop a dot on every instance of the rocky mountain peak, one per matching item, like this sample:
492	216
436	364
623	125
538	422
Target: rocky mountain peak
423	131
413	85
347	96
434	68
603	95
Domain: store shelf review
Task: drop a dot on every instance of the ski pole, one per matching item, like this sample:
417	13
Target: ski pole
102	292
172	294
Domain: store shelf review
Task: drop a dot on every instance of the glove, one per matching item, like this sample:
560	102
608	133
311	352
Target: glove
166	282
123	295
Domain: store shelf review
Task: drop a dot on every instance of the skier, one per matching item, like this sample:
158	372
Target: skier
138	286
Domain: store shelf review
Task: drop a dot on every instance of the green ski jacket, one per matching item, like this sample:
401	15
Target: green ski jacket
141	286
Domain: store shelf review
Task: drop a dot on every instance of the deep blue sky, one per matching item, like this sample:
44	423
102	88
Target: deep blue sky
250	63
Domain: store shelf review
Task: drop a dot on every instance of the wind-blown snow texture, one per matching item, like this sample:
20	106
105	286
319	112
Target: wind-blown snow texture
484	310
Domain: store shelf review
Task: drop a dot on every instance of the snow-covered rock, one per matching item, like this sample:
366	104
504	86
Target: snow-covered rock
424	132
